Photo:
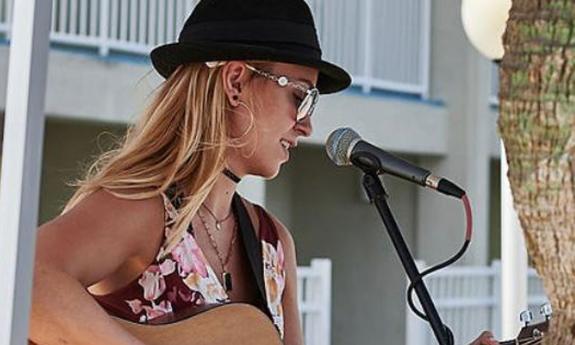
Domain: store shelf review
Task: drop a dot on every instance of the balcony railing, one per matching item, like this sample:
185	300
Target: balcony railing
468	299
385	44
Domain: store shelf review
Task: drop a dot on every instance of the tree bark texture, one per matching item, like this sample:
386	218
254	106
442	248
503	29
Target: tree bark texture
537	125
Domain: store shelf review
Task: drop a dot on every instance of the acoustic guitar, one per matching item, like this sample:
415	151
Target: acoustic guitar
228	324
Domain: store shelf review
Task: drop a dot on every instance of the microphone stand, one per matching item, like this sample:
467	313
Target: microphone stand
378	196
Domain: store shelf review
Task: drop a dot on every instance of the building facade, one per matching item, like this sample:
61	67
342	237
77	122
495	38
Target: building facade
419	90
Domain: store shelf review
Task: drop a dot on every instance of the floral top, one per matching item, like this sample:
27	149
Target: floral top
183	284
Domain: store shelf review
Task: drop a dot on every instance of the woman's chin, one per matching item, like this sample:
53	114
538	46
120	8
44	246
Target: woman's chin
270	172
271	168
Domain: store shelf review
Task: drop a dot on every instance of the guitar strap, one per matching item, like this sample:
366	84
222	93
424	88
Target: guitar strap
252	246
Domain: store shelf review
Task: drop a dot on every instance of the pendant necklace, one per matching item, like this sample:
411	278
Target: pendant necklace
226	276
218	221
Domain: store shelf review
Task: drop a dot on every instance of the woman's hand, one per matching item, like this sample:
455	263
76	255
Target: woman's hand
486	338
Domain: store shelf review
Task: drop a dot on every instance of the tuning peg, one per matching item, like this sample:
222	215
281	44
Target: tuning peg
546	310
526	317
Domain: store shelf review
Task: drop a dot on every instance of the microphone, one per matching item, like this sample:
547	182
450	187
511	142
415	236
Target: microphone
345	147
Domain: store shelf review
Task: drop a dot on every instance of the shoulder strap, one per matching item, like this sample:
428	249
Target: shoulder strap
251	244
268	232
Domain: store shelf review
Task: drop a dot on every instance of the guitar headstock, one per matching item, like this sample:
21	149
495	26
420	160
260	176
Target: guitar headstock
532	334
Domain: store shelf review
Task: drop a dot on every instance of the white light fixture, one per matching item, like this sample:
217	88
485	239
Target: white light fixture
484	23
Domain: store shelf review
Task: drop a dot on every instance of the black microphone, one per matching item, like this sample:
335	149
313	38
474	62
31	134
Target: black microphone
345	147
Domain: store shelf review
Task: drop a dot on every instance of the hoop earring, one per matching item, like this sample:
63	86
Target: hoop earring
252	121
250	127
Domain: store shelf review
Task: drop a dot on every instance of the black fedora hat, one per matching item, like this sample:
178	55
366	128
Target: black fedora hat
270	30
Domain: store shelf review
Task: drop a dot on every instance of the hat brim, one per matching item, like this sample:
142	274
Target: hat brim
168	57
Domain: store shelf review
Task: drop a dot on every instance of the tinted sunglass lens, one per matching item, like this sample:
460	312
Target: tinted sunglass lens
304	108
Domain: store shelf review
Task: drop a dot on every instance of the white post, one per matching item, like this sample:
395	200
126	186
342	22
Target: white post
513	260
426	46
9	5
416	330
21	164
104	27
322	295
496	288
367	59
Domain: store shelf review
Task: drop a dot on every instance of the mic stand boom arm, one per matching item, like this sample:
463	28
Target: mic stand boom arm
378	196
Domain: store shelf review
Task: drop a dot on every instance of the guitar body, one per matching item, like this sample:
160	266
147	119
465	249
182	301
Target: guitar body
229	324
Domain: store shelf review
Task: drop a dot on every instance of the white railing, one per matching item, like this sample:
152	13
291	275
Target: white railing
468	301
314	294
385	44
134	26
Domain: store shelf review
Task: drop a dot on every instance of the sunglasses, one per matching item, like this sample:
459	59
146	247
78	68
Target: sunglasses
308	103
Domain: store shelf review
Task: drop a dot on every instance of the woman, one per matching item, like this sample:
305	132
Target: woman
155	230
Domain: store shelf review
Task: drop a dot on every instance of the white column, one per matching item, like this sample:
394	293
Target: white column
104	28
367	59
513	260
21	164
417	331
425	47
477	155
321	294
253	189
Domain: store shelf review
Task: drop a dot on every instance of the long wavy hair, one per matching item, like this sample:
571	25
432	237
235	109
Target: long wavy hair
180	139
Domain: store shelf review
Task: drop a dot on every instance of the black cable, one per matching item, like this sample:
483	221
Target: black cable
454	258
430	270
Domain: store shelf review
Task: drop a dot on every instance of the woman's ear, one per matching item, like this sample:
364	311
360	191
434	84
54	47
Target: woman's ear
235	76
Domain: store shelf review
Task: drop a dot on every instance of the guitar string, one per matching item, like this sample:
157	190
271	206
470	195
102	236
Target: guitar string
534	341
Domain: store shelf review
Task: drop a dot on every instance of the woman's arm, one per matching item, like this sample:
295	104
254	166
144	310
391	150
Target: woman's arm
63	313
77	249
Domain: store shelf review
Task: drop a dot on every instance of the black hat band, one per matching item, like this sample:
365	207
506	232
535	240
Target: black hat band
251	31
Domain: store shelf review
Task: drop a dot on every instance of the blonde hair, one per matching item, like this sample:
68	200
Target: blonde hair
181	138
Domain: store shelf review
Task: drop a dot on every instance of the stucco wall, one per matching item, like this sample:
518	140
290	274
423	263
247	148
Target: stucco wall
69	146
328	215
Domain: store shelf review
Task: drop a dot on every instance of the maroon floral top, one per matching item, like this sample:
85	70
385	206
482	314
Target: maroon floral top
182	283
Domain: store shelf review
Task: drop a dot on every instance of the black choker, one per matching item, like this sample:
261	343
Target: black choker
231	175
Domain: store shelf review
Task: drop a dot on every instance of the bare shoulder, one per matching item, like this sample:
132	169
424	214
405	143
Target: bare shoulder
99	234
113	213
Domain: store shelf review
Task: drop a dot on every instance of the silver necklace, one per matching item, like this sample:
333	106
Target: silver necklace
218	221
226	276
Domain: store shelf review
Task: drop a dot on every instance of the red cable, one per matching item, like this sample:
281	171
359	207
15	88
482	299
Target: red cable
468	217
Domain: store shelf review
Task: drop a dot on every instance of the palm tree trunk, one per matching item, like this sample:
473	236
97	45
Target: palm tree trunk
537	125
